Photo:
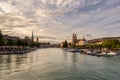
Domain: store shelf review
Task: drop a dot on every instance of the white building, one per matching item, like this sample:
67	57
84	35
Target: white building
82	42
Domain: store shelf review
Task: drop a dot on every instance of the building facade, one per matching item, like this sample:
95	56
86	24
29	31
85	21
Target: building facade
82	42
74	38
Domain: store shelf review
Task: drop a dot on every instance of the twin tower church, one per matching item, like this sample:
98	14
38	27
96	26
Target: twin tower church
74	38
78	41
75	41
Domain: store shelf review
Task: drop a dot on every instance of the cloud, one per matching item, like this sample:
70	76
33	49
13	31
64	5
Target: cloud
45	37
60	18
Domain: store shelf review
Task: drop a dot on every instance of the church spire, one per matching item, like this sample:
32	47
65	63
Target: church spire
32	38
37	39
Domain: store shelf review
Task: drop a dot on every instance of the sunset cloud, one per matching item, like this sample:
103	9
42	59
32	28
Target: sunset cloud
58	19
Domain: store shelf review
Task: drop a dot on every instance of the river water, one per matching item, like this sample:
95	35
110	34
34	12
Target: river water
56	64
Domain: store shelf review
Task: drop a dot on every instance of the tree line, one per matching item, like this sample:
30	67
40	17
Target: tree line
18	42
110	44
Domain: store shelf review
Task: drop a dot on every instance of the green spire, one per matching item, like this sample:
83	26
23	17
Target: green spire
32	36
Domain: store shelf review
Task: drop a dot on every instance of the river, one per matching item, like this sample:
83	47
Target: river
56	64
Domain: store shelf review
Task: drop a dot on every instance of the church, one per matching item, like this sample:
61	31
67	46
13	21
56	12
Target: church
78	42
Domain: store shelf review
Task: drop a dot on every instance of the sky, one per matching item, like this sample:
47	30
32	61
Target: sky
57	20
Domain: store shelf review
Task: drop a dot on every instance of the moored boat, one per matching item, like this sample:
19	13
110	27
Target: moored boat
88	52
73	50
109	54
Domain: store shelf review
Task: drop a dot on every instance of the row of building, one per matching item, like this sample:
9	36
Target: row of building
83	41
27	39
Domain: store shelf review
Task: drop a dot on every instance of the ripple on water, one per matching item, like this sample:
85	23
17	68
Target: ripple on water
56	64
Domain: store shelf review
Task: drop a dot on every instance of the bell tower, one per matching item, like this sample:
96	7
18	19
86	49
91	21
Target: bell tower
32	37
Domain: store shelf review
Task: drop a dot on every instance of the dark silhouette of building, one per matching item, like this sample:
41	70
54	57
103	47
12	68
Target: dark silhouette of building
37	39
74	38
32	37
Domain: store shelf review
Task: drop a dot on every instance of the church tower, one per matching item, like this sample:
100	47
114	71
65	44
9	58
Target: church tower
37	39
32	37
74	38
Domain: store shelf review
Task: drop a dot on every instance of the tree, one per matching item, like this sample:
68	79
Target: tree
73	46
10	42
2	41
65	45
19	43
111	44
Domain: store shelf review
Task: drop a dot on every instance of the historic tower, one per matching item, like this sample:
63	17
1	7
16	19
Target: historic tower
37	39
74	38
32	37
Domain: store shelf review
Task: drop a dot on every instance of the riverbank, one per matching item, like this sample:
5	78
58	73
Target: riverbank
15	50
95	52
57	64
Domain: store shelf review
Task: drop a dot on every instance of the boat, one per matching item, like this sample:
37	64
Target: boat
96	52
83	51
73	50
99	55
109	54
112	53
88	52
118	53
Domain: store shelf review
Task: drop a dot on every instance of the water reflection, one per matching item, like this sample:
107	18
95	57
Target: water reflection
65	55
57	64
9	64
74	57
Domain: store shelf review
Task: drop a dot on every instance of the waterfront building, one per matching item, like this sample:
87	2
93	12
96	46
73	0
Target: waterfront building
37	40
11	48
82	42
95	41
14	40
27	40
78	42
74	38
10	38
101	40
32	37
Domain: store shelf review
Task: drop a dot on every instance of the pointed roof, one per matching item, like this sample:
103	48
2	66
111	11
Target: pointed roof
32	37
37	39
32	34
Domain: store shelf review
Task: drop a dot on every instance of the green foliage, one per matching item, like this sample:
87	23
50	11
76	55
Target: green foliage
16	43
35	44
21	43
73	45
65	45
10	42
2	41
111	44
94	46
81	46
